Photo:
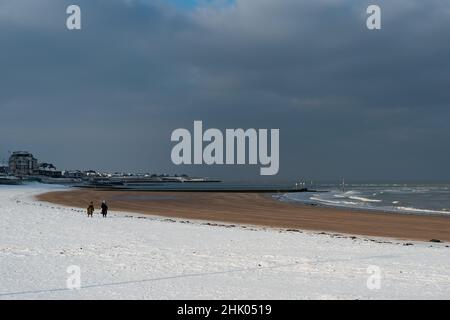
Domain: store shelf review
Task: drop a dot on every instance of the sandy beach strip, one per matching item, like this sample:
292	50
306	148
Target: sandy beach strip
259	209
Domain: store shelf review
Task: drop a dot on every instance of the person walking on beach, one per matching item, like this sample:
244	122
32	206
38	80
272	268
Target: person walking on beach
104	209
90	209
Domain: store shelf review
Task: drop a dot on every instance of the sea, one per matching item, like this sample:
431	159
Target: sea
412	198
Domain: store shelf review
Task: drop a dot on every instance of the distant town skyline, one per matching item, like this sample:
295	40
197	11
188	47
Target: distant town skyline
349	102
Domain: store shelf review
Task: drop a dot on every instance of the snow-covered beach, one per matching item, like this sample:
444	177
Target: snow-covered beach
131	256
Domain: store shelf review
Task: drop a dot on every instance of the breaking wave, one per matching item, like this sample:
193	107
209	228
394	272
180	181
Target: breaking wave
409	209
364	199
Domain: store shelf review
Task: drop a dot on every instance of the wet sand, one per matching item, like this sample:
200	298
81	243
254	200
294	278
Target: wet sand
259	209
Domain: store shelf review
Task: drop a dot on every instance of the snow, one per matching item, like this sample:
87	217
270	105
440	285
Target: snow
128	256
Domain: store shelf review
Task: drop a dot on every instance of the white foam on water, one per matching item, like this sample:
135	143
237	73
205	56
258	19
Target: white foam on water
346	194
326	201
336	203
364	199
410	209
350	202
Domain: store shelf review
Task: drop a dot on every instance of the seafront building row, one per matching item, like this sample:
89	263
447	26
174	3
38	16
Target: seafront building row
23	166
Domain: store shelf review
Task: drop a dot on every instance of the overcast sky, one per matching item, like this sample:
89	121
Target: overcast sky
348	101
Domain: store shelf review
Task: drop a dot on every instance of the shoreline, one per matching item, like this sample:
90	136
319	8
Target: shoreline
259	209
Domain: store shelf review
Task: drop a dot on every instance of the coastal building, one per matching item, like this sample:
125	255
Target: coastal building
73	174
22	163
48	170
92	173
3	169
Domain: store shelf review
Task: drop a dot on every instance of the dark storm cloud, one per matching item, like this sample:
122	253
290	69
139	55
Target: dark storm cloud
348	101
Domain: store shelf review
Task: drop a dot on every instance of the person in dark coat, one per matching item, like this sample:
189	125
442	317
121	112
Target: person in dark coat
104	209
90	209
